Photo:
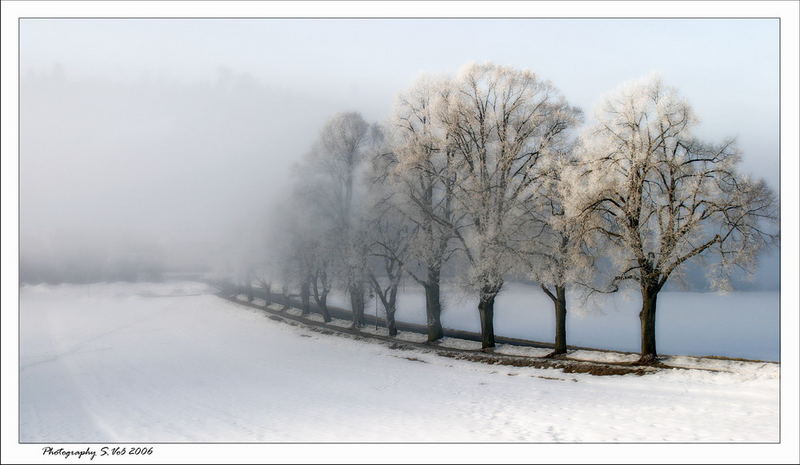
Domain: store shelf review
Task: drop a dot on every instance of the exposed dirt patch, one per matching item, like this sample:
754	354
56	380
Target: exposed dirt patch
396	346
565	366
321	330
604	370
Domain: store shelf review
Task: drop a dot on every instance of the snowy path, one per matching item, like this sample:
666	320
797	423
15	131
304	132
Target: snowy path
115	362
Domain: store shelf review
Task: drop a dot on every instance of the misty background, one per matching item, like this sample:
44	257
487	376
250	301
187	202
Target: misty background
150	146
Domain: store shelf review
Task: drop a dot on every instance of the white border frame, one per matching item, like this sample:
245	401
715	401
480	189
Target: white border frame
787	451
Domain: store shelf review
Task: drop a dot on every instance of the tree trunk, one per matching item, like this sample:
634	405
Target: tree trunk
390	322
433	306
647	316
323	307
561	321
267	295
486	311
305	296
357	304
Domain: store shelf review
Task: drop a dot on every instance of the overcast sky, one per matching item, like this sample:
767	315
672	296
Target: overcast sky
170	132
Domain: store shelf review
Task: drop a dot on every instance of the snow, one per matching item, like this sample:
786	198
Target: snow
738	324
171	362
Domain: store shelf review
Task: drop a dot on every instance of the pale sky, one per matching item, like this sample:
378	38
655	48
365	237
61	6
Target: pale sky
155	126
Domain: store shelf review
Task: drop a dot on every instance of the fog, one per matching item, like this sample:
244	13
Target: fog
160	145
153	169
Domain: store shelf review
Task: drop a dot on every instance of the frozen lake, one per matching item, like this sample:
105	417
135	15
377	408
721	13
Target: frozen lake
738	324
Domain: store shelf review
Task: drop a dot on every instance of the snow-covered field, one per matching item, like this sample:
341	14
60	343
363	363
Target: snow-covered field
738	324
170	362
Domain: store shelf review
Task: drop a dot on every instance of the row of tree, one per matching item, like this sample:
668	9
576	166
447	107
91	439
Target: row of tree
492	175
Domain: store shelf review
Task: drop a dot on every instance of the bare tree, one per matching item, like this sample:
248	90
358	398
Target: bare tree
501	123
390	245
281	270
308	246
305	257
659	197
322	282
389	234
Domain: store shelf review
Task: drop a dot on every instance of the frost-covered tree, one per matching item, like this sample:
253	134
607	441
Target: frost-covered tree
659	197
287	262
501	122
333	173
303	242
422	176
389	231
389	234
315	256
551	250
265	273
279	271
322	276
